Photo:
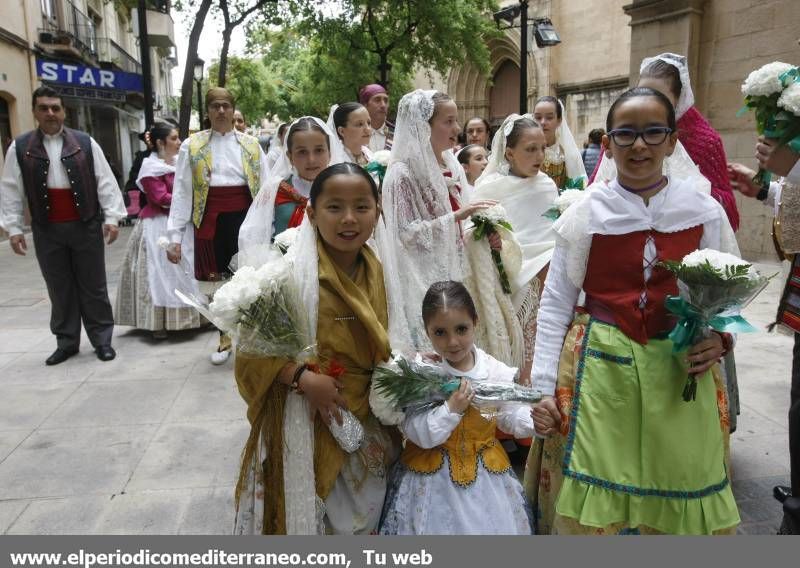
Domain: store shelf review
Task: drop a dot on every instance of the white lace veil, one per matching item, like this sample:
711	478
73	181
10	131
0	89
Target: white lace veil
572	155
255	234
686	99
498	165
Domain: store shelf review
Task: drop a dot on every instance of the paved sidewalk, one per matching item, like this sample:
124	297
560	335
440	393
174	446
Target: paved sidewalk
150	443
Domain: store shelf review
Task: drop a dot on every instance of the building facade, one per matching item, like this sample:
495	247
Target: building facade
602	45
88	50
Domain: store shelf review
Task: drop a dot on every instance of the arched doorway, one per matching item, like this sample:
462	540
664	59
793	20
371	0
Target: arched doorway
504	96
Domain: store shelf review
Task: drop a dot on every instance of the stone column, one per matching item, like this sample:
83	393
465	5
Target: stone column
659	26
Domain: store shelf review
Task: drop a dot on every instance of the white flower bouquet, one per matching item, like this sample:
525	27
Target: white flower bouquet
713	288
402	387
377	166
285	239
485	222
262	311
562	203
773	92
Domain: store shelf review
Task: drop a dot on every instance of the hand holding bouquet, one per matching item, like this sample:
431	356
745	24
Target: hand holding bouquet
487	221
262	312
405	387
773	92
713	288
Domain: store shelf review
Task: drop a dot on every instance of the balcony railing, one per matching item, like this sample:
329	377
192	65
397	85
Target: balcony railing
76	30
110	51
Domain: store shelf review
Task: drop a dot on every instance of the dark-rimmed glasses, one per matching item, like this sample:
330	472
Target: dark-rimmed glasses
652	135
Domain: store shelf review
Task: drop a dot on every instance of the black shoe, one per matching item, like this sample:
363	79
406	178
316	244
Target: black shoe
781	492
60	355
105	353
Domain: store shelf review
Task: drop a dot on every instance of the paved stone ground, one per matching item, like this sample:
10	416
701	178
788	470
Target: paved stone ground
149	443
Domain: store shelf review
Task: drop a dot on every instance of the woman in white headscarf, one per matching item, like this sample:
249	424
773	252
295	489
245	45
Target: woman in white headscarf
562	158
424	201
310	147
515	179
350	123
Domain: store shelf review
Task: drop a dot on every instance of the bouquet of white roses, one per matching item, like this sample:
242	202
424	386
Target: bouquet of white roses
261	310
402	387
486	222
773	92
713	288
563	202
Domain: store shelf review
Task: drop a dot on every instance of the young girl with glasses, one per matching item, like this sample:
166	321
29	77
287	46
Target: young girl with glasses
623	451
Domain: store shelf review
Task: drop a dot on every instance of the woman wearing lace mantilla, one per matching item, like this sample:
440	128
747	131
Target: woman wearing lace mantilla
423	203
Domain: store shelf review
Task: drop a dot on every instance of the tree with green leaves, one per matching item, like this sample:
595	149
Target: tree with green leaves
401	35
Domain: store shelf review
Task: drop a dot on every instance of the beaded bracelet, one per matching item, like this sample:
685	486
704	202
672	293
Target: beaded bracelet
294	386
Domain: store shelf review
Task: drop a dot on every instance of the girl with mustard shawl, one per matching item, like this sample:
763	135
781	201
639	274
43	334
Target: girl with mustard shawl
295	479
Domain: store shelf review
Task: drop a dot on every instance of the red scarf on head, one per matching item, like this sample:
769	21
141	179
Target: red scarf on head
705	148
288	194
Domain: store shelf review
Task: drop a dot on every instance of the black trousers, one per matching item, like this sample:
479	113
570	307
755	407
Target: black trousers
226	238
72	260
794	419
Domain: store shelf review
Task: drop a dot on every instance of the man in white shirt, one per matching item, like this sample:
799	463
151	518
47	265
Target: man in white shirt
218	173
375	98
783	161
75	202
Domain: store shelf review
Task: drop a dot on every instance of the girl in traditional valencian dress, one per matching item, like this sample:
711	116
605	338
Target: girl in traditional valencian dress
562	159
295	478
625	453
309	149
473	159
454	477
425	198
514	178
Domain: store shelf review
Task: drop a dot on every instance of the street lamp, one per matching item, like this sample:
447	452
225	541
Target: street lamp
198	78
544	34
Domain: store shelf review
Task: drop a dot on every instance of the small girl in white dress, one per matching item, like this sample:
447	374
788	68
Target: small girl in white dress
454	477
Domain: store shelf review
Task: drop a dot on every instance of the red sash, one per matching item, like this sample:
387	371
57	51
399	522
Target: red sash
61	205
288	194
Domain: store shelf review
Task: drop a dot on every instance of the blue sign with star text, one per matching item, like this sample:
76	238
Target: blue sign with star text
82	76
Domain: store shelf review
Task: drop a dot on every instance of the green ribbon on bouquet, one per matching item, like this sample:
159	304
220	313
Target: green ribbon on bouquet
376	169
483	227
691	323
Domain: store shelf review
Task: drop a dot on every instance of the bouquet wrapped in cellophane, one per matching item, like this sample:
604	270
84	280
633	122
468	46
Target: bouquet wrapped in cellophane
773	93
261	310
713	288
403	386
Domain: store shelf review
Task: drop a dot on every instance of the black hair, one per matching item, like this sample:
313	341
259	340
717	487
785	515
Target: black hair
596	135
159	131
554	101
447	294
305	124
45	91
660	69
282	129
466	152
520	126
345	168
342	113
642	92
483	120
439	98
